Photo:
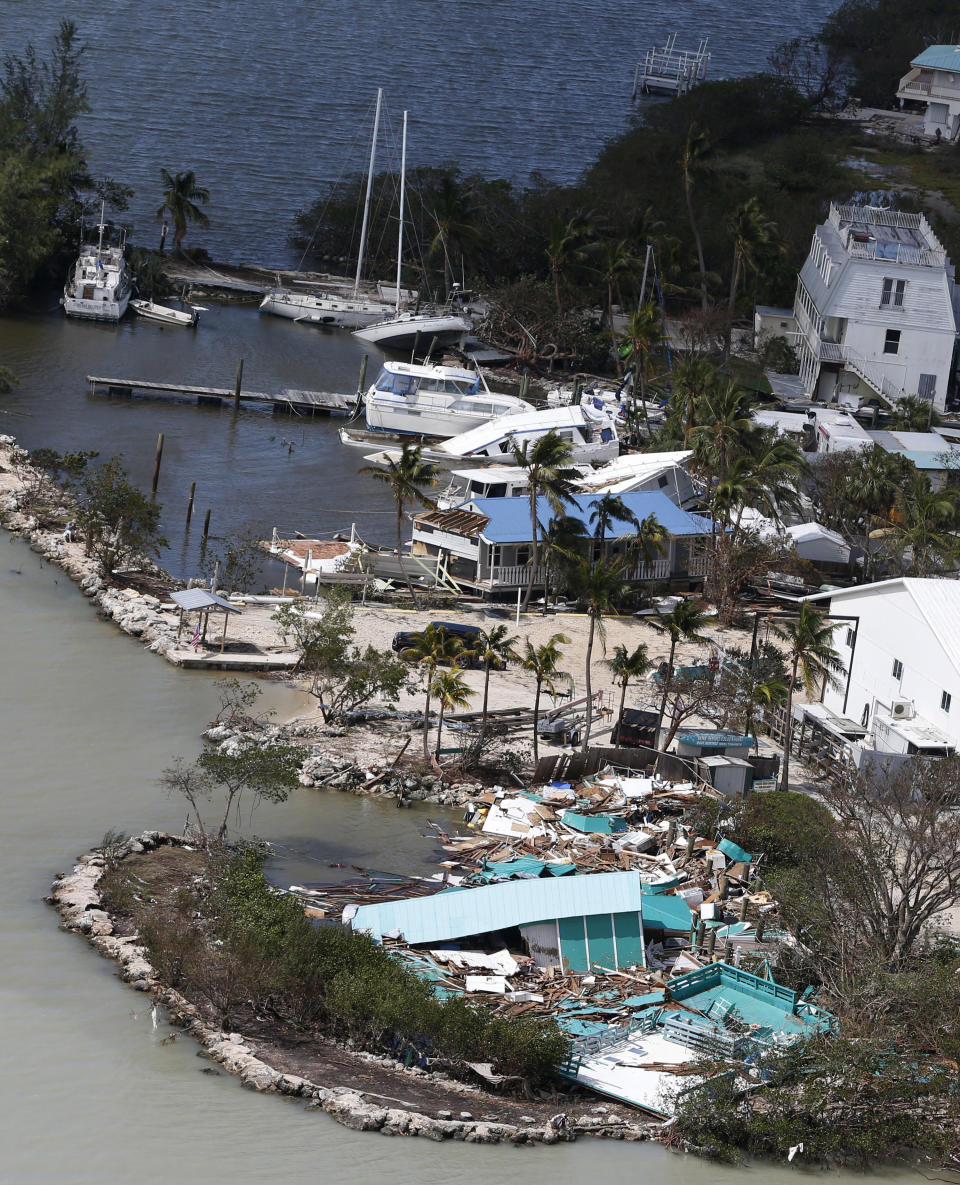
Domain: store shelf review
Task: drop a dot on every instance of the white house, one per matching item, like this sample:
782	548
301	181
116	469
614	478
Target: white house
901	653
876	308
934	80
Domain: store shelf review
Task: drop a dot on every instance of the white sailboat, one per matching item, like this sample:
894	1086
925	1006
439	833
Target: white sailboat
98	285
330	308
406	330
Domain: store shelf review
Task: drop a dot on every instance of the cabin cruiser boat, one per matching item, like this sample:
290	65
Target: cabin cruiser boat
98	286
151	311
591	434
434	400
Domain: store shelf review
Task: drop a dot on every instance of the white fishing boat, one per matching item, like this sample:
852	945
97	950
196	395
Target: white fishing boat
98	285
345	311
492	481
151	311
434	400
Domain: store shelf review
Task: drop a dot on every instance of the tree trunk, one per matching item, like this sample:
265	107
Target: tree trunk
413	595
584	744
439	732
698	241
534	545
788	727
426	721
642	379
666	688
486	694
536	719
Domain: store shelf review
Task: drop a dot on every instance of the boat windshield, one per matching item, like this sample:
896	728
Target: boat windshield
450	386
396	384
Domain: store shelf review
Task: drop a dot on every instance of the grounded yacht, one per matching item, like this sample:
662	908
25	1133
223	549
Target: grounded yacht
434	400
407	331
591	433
98	285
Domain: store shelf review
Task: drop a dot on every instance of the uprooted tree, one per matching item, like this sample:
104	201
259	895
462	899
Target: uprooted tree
343	676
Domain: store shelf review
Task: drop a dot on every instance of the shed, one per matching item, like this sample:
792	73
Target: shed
730	776
202	602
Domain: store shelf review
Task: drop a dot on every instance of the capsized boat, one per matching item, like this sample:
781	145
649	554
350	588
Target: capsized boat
434	400
407	331
98	285
590	432
162	313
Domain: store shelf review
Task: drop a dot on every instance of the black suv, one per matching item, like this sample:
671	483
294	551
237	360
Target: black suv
468	635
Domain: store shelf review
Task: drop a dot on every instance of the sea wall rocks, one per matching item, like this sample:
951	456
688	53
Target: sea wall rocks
76	897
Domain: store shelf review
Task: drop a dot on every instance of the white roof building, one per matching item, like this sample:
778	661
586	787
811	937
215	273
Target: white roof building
876	308
934	80
901	653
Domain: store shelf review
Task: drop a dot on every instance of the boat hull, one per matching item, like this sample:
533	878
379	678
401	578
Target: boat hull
405	333
325	310
162	315
95	310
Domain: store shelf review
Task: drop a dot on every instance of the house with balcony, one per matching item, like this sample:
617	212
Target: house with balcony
934	80
876	309
485	544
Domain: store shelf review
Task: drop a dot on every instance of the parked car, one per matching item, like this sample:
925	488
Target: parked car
468	635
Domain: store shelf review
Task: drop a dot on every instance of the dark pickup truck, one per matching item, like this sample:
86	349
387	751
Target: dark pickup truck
468	635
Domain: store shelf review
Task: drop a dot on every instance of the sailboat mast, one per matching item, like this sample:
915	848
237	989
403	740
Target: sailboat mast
366	204
100	240
403	181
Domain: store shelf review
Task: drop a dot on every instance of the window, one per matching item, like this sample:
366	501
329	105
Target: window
945	698
891	343
897	669
927	387
662	481
892	294
850	638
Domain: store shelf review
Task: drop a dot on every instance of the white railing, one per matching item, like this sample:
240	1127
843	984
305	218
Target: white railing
930	89
873	374
698	565
517	575
844	218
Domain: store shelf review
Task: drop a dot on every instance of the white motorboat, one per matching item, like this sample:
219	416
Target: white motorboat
162	313
331	308
406	331
591	434
434	400
99	284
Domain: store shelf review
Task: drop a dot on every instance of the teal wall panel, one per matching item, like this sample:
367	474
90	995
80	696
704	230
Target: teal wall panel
573	944
626	927
600	941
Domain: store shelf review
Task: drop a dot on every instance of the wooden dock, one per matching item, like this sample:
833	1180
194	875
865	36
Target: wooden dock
287	402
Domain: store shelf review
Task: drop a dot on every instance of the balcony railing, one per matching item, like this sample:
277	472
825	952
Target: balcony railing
517	575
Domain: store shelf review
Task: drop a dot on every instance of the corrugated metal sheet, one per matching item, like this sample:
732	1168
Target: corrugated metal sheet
200	598
510	517
497	907
939	57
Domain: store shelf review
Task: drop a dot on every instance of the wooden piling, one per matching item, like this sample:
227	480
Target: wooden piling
711	943
193	490
723	886
416	342
156	465
361	383
743	908
433	342
701	930
525	384
206	527
238	384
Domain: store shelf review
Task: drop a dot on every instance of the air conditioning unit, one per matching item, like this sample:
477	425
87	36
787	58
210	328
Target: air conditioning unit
902	709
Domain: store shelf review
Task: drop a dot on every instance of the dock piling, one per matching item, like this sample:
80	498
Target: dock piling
156	466
206	528
361	382
238	384
193	490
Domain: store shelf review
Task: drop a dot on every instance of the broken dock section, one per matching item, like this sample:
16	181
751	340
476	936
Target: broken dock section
286	402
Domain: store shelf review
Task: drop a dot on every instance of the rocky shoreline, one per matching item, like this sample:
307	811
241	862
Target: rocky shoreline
76	897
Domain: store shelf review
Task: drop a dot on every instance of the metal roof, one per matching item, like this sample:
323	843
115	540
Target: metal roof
510	517
939	57
463	912
201	598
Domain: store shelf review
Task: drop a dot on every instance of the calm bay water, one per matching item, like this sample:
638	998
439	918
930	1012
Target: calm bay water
268	102
265	103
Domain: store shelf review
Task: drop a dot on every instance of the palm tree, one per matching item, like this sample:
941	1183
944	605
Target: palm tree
614	260
432	648
450	690
923	524
813	659
724	429
549	475
751	231
695	148
684	621
637	342
564	540
692	379
607	510
494	647
598	587
565	247
759	692
650	539
182	199
913	413
627	665
450	209
543	662
405	476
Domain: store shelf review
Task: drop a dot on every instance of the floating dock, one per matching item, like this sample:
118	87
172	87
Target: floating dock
287	402
671	71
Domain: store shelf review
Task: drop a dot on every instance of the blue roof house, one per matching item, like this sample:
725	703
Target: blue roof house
934	80
577	922
486	542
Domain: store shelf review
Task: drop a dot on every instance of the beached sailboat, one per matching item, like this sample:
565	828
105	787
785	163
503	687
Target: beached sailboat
331	308
98	285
